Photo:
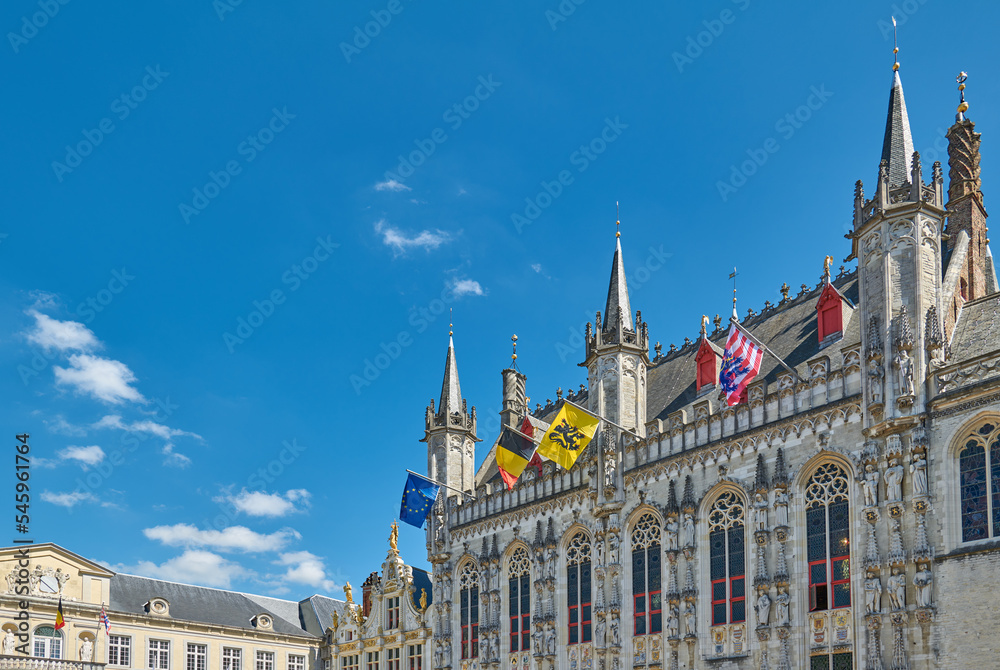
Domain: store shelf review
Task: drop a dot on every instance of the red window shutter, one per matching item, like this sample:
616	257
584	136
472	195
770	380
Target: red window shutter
829	309
706	370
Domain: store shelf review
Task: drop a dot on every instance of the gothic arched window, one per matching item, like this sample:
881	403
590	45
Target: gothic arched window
727	559
979	482
469	609
828	538
647	596
578	588
519	603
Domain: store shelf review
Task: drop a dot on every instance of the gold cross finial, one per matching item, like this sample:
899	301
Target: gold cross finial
963	106
895	47
451	320
618	220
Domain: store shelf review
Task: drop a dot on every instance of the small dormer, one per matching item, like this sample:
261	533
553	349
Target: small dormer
262	621
157	606
706	362
830	315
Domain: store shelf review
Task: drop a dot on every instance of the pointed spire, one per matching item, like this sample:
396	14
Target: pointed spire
688	502
451	391
780	471
760	482
618	305
897	145
672	507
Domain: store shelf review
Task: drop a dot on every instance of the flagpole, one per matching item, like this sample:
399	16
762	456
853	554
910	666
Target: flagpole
594	414
763	346
434	481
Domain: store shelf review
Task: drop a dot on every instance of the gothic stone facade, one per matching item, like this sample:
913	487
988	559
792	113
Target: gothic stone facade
843	516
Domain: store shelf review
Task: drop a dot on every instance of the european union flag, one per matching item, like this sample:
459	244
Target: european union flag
418	498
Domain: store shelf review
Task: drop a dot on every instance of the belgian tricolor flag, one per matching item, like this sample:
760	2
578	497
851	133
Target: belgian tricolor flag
60	622
514	453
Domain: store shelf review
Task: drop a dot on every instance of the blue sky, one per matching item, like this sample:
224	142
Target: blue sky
219	214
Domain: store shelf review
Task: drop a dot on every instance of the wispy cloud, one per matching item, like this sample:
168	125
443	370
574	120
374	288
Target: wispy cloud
392	185
68	500
102	378
305	568
174	458
50	334
85	456
402	242
537	267
263	504
233	538
464	287
144	426
61	426
194	566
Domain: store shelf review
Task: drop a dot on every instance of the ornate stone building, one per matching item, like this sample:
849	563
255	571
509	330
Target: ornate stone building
845	515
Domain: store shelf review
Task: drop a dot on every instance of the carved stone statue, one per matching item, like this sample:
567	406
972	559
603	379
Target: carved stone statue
922	581
600	633
423	599
438	654
609	470
446	652
553	559
690	619
494	652
87	651
447	586
894	481
9	642
687	534
896	588
615	628
347	592
782	600
438	523
873	594
781	507
336	621
673	623
918	468
904	371
393	536
550	640
763	608
875	372
760	512
870	485
599	548
672	533
614	543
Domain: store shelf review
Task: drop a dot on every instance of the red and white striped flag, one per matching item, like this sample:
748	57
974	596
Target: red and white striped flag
740	364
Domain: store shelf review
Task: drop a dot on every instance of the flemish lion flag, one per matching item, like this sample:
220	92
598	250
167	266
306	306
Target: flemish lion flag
570	432
60	622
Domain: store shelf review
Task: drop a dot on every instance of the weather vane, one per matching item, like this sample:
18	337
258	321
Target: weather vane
963	106
513	356
618	220
451	321
732	275
895	47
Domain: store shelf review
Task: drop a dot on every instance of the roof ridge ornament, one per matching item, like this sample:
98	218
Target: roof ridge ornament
895	47
963	106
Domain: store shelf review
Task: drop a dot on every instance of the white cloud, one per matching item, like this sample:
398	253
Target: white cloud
146	426
50	333
305	568
537	267
61	426
392	185
85	456
462	287
192	567
103	378
261	503
234	538
68	500
401	243
174	458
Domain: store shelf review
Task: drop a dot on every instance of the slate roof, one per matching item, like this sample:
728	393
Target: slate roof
978	329
897	145
129	593
317	613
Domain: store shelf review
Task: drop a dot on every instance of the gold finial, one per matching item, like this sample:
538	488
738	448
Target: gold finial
704	325
451	320
826	267
513	356
895	47
732	275
963	106
393	535
618	220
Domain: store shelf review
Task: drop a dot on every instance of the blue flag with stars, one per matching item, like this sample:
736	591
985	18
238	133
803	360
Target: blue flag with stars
418	498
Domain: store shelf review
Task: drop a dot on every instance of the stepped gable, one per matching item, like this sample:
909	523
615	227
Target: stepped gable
790	330
978	329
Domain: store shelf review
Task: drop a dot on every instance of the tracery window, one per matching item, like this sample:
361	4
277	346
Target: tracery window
727	559
828	538
469	609
519	602
979	482
647	596
578	588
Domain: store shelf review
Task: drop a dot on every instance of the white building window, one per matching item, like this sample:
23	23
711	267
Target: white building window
265	660
392	613
372	660
232	658
197	656
119	650
351	662
47	643
159	655
296	662
392	658
415	657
